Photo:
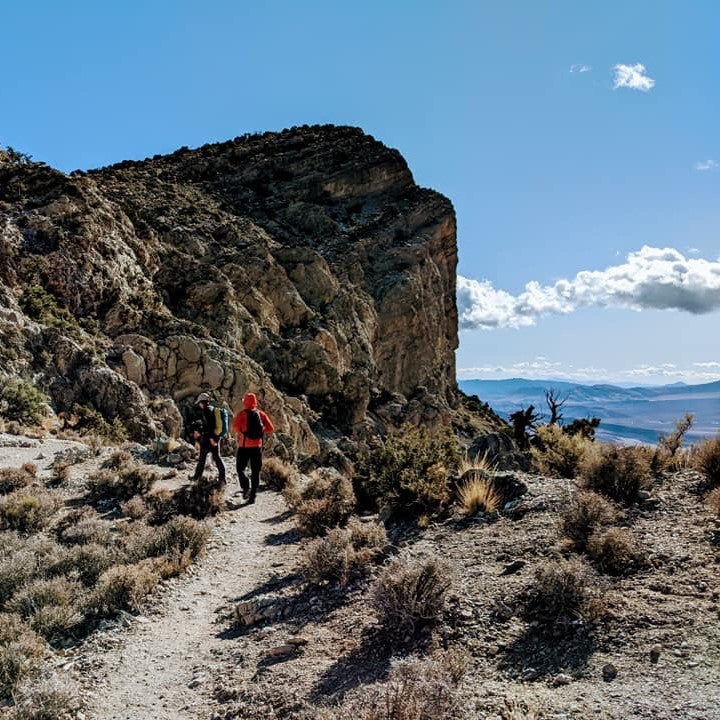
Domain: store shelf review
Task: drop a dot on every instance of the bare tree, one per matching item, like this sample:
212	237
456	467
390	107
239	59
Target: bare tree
555	402
673	441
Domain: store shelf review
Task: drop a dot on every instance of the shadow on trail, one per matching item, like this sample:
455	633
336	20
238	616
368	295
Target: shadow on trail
548	653
289	537
279	518
368	663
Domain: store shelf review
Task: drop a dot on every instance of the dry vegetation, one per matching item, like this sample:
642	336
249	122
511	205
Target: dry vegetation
63	570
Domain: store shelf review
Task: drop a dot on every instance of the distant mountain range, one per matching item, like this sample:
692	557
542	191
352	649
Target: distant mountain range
628	414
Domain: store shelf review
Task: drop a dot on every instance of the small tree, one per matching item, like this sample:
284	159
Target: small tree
673	441
582	426
522	422
17	157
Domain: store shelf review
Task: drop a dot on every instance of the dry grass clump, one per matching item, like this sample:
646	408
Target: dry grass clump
416	689
558	454
27	510
478	494
343	553
17	478
123	587
128	480
561	592
134	508
619	473
517	710
22	652
276	473
585	512
48	698
410	593
713	501
615	551
707	460
324	502
51	607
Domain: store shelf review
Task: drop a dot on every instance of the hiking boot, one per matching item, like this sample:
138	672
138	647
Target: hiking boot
251	499
245	494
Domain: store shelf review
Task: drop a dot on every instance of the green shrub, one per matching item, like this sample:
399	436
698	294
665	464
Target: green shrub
21	401
585	512
409	469
558	454
619	473
27	510
91	422
41	306
410	593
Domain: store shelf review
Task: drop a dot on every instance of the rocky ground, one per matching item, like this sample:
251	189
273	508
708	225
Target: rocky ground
655	652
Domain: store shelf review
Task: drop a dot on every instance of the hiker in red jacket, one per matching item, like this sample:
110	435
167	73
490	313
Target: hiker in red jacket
250	424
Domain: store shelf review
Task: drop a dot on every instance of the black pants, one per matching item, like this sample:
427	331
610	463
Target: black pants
205	448
254	456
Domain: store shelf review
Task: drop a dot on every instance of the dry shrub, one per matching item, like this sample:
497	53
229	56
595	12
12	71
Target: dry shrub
410	593
27	510
707	460
48	698
558	454
342	553
518	710
118	460
85	562
181	536
123	587
81	527
12	479
713	501
416	689
200	499
134	508
561	592
21	653
478	494
326	501
585	512
276	473
618	472
615	551
123	483
162	505
15	570
52	607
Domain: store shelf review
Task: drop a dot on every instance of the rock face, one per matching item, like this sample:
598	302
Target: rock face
306	266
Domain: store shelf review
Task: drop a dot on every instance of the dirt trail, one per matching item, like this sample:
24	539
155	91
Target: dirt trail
162	667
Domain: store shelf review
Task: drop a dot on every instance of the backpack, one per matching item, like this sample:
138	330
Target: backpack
254	425
225	419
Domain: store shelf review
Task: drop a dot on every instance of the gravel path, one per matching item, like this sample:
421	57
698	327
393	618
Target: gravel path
162	667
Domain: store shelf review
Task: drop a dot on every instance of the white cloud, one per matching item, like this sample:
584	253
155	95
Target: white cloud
580	68
662	372
651	278
693	251
633	77
704	165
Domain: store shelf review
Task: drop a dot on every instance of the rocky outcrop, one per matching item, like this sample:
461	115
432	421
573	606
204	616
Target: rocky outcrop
305	265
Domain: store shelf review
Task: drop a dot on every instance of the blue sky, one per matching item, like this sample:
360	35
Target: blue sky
552	172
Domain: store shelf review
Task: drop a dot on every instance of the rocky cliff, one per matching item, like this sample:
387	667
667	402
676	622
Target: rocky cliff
304	265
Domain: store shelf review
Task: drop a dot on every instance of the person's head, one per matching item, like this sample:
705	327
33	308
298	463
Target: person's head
202	400
250	401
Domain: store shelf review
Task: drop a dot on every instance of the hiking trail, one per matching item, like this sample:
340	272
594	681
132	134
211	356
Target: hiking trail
161	666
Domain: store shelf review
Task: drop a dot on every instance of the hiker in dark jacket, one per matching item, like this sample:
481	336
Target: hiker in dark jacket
250	425
206	431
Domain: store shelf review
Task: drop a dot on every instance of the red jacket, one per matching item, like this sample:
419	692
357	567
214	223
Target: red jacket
240	423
